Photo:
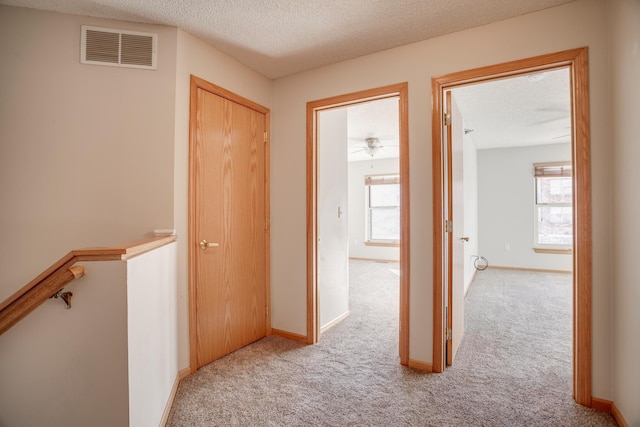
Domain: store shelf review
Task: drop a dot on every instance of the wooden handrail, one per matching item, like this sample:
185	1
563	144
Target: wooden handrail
63	271
29	301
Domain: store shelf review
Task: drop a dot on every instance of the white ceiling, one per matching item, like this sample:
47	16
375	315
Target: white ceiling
532	109
281	37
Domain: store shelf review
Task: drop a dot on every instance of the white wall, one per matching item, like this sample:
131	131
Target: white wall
86	151
198	58
63	367
624	41
92	155
333	217
506	199
357	209
572	25
110	360
152	333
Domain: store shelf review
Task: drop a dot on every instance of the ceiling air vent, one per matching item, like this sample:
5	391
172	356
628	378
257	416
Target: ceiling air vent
118	48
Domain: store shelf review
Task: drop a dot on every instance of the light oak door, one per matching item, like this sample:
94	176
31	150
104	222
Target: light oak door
229	244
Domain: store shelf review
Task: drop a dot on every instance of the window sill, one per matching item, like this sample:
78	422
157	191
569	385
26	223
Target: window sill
386	244
553	251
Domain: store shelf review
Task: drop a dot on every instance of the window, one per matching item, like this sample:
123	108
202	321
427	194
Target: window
382	196
553	210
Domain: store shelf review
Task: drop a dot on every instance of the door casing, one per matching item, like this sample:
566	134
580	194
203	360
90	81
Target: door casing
400	90
577	62
193	239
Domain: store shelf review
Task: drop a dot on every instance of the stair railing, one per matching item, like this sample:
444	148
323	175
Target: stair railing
50	282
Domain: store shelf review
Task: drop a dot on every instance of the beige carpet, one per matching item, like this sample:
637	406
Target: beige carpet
513	367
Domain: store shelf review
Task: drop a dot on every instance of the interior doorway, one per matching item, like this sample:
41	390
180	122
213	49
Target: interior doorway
576	61
509	182
358	201
326	108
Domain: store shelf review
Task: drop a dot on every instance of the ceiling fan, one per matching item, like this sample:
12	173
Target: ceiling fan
372	146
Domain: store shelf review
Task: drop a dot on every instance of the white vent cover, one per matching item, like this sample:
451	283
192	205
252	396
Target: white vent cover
118	48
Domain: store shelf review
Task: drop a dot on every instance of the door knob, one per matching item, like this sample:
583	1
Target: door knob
466	239
204	244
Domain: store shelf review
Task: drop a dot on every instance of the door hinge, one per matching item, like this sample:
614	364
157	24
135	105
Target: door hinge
448	334
266	224
447	119
265	137
448	226
266	311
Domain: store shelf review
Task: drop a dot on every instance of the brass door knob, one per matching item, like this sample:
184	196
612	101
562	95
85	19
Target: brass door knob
204	244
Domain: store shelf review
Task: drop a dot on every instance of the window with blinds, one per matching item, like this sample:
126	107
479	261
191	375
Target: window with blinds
382	195
553	205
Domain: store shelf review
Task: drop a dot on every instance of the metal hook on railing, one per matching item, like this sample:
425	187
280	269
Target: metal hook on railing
65	296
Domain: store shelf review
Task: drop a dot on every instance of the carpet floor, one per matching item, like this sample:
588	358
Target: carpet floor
513	367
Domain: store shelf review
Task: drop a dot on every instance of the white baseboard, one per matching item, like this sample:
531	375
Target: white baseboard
334	322
167	408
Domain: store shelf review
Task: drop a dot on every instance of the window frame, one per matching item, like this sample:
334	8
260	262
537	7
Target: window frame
551	170
369	182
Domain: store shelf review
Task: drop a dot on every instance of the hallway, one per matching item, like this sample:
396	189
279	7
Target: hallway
353	377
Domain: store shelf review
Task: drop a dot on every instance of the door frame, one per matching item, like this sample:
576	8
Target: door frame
577	62
400	90
195	84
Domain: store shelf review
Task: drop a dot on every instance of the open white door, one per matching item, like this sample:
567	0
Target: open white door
333	232
455	232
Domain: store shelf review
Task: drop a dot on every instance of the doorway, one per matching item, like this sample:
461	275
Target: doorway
314	109
358	202
228	222
576	61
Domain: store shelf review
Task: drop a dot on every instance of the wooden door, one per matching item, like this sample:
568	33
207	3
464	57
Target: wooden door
229	224
457	240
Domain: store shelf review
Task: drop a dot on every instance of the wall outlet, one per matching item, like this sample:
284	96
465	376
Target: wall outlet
507	247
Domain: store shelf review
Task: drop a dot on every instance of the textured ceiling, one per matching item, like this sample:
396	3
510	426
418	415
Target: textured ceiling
281	37
532	109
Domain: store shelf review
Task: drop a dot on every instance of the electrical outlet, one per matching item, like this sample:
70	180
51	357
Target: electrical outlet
507	247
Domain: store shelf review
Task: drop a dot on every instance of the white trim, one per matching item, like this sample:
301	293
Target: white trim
334	322
172	395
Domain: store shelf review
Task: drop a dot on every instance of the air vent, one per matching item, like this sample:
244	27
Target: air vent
118	48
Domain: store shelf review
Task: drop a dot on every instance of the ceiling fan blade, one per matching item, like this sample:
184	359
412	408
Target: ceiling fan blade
393	138
549	120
